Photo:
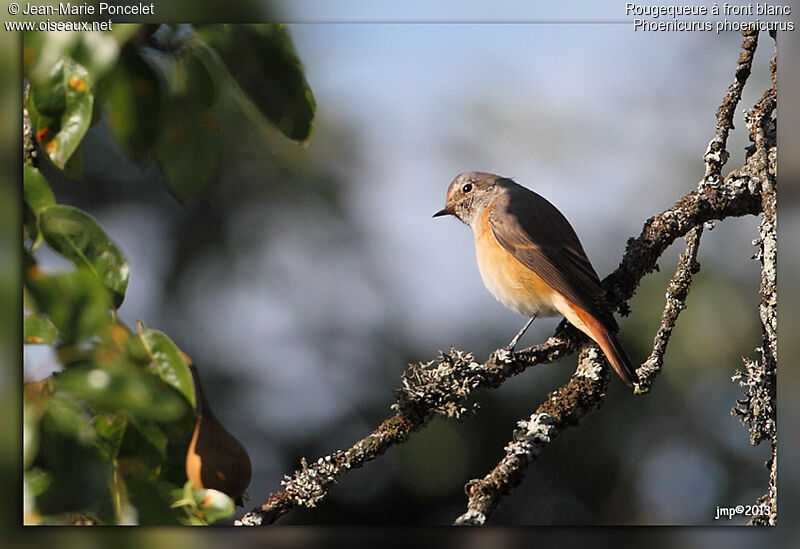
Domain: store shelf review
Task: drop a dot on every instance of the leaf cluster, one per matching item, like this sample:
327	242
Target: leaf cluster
106	436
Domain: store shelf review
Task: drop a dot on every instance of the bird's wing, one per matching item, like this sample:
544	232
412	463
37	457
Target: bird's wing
541	238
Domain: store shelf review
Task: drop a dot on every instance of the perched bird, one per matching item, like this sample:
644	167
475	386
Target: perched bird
531	260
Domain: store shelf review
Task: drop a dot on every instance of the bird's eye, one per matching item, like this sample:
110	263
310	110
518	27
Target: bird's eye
466	188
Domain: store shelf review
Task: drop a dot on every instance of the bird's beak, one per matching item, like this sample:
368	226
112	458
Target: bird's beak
444	211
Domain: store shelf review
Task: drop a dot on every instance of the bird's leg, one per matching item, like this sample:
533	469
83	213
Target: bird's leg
510	346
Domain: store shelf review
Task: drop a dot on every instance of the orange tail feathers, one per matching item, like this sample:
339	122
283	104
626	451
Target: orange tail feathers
611	346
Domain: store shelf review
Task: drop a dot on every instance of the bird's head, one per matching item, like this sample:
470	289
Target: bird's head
468	195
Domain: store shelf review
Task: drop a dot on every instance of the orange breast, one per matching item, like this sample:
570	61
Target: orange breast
510	282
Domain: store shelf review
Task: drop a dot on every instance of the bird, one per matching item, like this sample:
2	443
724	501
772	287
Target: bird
531	260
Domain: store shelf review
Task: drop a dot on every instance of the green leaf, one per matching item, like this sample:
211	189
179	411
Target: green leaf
188	146
63	110
204	506
37	195
42	50
144	448
37	480
188	153
273	79
192	79
168	361
35	191
38	329
97	51
70	417
78	237
77	303
110	429
121	388
74	166
134	103
30	434
215	505
151	436
152	500
78	474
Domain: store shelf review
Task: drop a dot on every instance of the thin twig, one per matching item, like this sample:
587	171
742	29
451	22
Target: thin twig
677	291
717	154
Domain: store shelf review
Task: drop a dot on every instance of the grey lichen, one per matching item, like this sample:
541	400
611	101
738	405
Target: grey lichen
715	157
309	484
503	356
756	409
471	518
530	436
442	385
592	366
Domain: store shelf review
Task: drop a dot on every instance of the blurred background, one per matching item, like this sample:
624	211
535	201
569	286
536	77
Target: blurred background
307	278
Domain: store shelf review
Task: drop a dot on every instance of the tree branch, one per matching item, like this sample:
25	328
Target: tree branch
758	407
677	291
562	408
717	154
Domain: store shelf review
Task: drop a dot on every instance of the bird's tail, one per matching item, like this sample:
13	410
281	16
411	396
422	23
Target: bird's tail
609	342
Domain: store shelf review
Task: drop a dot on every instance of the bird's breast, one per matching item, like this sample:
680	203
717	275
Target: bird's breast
509	281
